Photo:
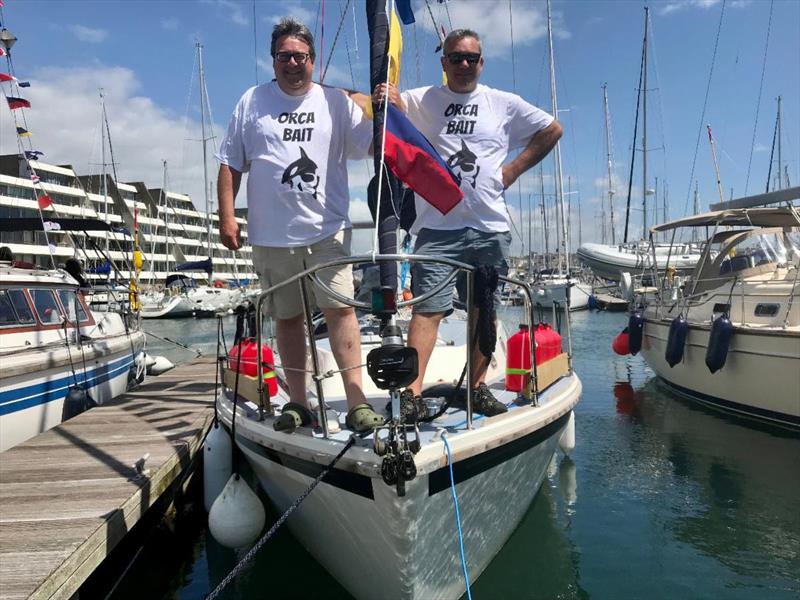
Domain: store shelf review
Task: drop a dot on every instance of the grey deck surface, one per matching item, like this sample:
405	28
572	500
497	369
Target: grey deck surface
69	495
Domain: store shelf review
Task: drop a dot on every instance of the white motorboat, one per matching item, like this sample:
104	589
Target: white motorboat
609	262
48	354
742	311
354	523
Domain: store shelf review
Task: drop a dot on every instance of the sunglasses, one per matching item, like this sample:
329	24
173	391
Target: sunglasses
299	57
456	58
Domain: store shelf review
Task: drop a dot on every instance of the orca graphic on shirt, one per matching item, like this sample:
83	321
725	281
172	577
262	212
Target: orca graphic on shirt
304	170
463	163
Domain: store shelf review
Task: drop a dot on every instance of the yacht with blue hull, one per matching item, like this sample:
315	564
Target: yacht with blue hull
58	357
728	335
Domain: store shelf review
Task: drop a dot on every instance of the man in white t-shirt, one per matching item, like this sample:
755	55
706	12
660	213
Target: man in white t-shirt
474	128
293	138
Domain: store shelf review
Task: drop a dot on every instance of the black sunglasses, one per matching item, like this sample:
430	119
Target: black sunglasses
299	57
456	58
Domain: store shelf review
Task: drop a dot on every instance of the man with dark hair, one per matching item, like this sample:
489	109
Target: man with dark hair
293	138
473	127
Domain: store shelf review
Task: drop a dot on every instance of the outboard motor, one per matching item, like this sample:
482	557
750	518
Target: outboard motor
635	331
676	340
719	341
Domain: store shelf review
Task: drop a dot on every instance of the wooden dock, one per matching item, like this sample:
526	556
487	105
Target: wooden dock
70	495
611	303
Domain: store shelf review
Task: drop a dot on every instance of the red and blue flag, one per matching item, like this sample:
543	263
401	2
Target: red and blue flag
414	161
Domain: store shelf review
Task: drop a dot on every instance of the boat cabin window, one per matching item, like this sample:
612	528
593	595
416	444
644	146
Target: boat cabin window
755	251
14	309
70	301
44	301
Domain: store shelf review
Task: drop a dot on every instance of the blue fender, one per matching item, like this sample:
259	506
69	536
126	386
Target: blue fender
676	341
719	342
635	331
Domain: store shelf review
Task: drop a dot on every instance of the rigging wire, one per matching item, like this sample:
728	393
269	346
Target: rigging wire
758	102
335	38
705	105
255	42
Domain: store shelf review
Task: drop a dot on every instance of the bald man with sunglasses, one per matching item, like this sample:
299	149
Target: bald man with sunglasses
474	128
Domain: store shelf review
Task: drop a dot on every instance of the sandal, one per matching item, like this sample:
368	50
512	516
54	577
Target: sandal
362	418
292	416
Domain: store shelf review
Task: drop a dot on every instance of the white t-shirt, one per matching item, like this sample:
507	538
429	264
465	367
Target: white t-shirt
295	149
474	134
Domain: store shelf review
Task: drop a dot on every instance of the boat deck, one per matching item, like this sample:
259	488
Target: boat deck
71	494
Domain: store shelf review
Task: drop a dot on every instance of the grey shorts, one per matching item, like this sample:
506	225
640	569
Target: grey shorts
465	245
278	264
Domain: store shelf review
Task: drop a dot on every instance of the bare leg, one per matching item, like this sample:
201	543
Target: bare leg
345	337
292	347
422	335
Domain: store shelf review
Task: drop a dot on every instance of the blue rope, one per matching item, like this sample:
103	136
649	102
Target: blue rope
458	516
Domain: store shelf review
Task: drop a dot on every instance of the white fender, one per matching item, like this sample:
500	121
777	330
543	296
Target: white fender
161	364
567	440
237	515
626	286
217	463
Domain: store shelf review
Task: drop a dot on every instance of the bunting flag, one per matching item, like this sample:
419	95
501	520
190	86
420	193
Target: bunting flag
2	52
50	225
34	178
414	161
45	201
404	9
52	247
6	77
14	103
22	132
24	84
31	154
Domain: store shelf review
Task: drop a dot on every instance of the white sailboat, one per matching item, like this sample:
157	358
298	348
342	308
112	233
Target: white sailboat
376	522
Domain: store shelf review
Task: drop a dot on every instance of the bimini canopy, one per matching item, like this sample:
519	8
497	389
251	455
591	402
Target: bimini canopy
742	217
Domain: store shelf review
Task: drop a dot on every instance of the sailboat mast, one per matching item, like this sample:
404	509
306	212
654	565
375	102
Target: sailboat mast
103	160
696	211
166	217
544	219
559	182
205	140
644	126
610	167
780	157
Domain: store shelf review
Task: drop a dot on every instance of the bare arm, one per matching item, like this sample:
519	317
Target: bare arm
228	181
540	146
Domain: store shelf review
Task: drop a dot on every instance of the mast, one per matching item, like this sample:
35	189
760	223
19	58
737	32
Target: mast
203	99
610	166
530	238
780	158
635	130
166	217
544	219
103	121
644	126
696	211
559	181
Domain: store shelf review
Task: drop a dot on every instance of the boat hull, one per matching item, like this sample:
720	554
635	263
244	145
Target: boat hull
760	378
547	293
175	307
32	399
609	262
379	545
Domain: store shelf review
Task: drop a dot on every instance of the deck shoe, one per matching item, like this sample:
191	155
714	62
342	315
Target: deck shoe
292	416
362	418
412	408
484	402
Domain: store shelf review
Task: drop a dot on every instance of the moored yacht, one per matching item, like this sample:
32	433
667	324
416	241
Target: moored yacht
729	334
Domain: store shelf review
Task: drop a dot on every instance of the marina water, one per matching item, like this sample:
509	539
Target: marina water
661	499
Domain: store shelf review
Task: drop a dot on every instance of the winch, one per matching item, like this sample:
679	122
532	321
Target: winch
393	366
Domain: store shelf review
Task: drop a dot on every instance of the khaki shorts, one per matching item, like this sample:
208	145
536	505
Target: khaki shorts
275	265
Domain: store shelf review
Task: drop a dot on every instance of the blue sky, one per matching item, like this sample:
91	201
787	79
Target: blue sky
142	54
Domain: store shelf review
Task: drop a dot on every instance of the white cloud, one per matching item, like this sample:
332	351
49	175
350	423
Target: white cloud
66	128
87	34
491	21
295	11
673	6
170	24
235	11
